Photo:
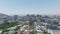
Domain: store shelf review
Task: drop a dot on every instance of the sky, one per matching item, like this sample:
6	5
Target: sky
23	7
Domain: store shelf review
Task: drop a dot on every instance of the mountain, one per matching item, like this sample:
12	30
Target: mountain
3	15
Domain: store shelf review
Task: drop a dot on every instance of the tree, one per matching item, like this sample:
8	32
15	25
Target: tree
17	27
45	32
33	32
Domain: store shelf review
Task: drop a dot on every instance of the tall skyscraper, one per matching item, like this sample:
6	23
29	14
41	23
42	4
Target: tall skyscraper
15	17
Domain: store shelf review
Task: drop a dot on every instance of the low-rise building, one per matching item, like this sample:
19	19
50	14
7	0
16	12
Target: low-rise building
56	32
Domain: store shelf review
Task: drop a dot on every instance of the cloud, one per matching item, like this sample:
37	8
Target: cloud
31	11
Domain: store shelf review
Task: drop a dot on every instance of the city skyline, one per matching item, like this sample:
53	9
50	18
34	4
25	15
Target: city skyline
23	7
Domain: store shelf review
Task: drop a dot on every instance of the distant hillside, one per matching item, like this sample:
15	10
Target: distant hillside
3	15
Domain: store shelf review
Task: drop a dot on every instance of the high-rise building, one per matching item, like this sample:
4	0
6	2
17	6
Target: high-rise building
15	17
5	20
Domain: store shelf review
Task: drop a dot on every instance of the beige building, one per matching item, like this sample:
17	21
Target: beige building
56	32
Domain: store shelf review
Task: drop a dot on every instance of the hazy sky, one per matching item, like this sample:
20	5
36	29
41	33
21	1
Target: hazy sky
22	7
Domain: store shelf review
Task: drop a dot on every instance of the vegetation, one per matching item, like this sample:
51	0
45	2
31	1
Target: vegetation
4	26
4	31
7	25
45	32
17	27
33	32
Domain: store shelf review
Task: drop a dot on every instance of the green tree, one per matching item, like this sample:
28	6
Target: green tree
33	32
17	27
45	32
